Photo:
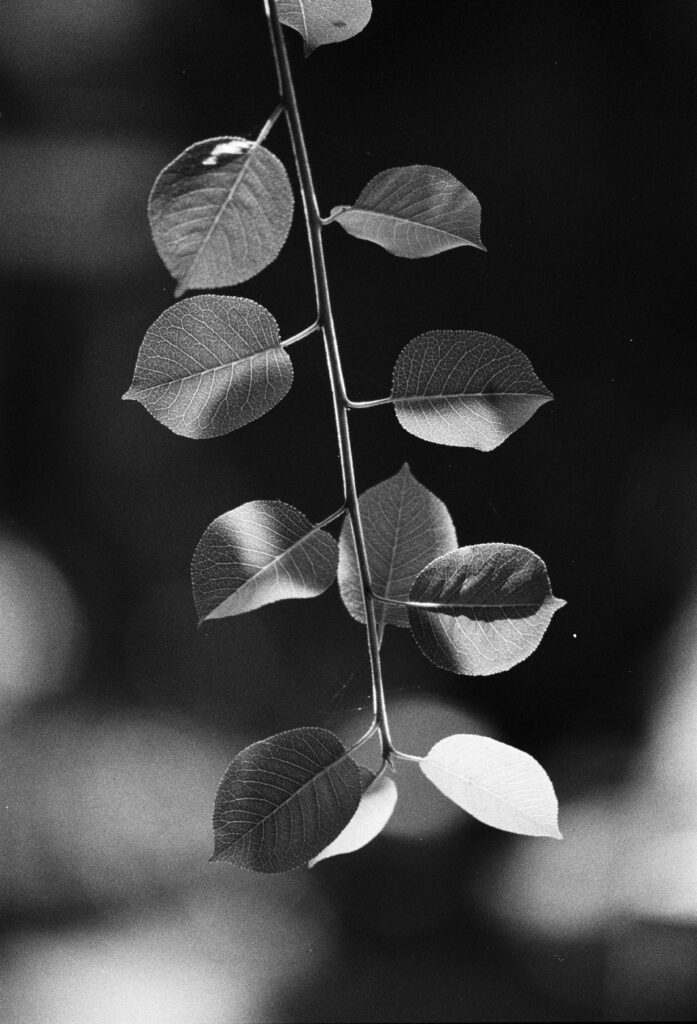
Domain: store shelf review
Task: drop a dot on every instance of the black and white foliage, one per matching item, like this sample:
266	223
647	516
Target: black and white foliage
211	364
220	213
324	21
414	212
405	528
261	552
464	388
482	609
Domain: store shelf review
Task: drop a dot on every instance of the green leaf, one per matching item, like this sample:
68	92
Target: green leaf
414	211
220	212
284	799
324	21
209	364
405	527
374	811
464	388
492	606
261	552
495	783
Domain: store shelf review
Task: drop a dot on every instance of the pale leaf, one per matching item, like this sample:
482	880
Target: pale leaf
374	811
495	783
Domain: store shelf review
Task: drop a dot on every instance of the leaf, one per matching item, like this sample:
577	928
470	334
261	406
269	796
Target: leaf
495	783
494	604
414	211
283	799
209	364
261	552
464	388
220	212
324	21
374	811
405	527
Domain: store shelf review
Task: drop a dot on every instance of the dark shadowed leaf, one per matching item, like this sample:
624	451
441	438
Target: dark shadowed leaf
261	552
414	211
495	603
497	784
210	364
464	388
374	811
284	799
220	212
324	21
405	528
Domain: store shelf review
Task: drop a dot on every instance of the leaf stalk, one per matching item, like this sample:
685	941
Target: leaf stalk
301	334
372	403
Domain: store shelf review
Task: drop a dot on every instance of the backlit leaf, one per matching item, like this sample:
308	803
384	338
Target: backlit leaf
324	21
414	211
284	799
374	811
261	552
220	212
464	388
495	783
210	364
405	527
494	601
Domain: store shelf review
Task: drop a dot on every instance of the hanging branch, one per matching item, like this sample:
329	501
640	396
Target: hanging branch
220	213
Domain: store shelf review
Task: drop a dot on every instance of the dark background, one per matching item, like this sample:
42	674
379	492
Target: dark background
574	124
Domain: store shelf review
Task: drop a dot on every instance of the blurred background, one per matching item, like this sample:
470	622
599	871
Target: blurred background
574	124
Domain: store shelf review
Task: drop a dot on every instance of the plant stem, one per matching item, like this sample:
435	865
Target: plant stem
340	399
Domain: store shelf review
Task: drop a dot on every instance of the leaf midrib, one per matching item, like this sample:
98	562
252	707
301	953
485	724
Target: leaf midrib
411	399
139	390
262	570
183	285
484	789
461	240
288	799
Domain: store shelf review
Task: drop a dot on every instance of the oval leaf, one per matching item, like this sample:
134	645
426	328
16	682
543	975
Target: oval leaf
374	811
414	211
464	388
220	212
261	552
324	21
492	606
405	527
495	783
210	364
282	800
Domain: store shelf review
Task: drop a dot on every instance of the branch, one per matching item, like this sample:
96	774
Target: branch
325	318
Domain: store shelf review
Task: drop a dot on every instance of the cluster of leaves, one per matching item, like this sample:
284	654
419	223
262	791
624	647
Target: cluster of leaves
220	213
